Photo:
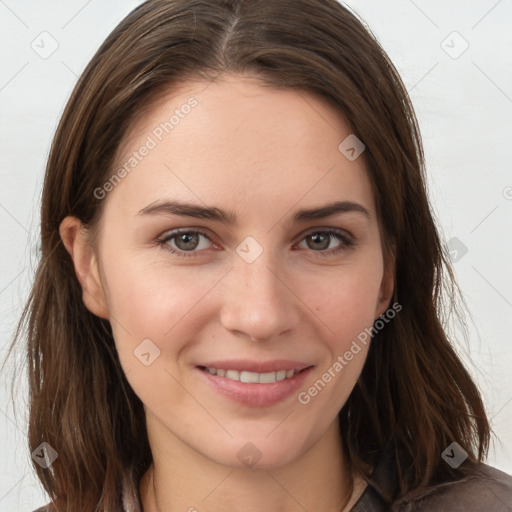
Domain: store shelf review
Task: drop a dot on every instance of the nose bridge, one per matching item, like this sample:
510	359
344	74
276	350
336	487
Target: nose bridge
256	301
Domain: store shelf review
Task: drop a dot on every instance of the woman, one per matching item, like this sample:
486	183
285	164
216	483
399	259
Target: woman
239	299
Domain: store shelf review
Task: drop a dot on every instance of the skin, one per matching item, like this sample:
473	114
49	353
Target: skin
263	154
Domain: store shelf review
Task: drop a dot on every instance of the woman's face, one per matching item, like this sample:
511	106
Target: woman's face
262	284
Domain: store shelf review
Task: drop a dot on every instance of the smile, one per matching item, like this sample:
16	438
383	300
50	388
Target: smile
252	377
255	384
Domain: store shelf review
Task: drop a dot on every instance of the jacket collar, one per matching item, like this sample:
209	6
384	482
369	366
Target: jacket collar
382	486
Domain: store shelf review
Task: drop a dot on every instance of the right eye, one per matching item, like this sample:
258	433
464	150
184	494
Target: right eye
184	242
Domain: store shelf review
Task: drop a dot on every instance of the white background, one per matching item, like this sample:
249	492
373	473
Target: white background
464	106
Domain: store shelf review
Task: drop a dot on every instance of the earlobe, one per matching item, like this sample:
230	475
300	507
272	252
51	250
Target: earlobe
86	267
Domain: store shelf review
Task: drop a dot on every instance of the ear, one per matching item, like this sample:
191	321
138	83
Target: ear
84	259
387	287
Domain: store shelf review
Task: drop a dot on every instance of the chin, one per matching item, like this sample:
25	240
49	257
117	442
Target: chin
257	452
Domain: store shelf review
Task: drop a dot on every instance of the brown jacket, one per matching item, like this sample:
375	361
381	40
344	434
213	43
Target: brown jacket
486	489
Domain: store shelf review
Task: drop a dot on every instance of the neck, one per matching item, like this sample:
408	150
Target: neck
181	479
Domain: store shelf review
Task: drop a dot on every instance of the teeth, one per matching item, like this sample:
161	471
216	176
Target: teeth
281	375
233	374
253	377
266	378
249	377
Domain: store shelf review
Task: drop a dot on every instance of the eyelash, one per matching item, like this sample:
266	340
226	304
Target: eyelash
163	242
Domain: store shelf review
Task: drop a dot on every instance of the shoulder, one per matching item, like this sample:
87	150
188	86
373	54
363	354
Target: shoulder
485	489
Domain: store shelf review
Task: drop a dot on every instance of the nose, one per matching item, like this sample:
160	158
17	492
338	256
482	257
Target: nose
258	301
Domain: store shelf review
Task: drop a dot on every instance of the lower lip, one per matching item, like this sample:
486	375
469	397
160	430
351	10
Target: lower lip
253	394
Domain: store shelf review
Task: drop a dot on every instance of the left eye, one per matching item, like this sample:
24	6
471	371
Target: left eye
320	240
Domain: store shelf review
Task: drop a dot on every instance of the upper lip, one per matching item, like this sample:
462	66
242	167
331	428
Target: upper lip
257	366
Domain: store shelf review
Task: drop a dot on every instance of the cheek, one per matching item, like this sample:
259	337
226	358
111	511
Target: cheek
153	301
156	313
345	306
345	302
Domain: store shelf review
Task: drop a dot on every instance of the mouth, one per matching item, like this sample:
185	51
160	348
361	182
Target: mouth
255	384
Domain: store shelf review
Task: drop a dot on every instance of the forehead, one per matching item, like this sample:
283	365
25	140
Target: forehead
236	140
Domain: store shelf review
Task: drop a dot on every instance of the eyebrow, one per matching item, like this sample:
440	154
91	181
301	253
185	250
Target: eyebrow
216	214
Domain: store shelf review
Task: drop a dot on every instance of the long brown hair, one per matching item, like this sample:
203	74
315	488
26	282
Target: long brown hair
413	390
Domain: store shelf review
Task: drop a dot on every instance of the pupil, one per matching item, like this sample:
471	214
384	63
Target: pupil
187	239
320	238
